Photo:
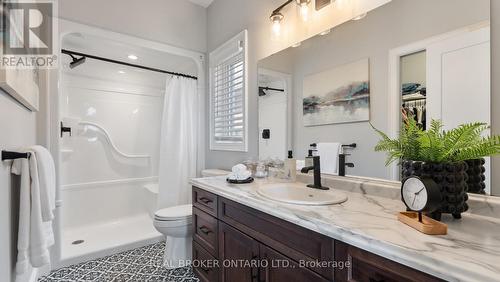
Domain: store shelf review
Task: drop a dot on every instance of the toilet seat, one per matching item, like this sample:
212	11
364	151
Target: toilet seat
172	223
178	213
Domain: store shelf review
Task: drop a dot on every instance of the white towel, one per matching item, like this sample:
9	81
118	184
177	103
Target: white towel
47	181
329	155
35	236
239	172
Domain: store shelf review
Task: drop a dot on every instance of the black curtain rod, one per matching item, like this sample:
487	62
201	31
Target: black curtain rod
68	52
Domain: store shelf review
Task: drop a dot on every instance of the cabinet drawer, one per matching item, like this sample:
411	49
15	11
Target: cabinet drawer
205	230
206	267
205	201
367	267
287	238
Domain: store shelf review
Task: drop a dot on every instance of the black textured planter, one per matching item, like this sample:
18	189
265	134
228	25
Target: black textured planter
452	179
476	177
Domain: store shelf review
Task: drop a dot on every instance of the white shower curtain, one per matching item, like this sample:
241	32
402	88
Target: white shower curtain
178	146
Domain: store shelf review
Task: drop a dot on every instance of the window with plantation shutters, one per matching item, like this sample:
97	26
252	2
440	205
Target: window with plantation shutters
228	99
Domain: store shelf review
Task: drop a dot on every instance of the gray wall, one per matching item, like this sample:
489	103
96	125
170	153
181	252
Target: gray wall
397	23
224	22
18	129
383	29
176	22
495	95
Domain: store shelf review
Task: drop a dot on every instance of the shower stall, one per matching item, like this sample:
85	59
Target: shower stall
108	141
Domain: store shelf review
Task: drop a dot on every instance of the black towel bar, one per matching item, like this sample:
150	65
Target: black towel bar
7	155
353	145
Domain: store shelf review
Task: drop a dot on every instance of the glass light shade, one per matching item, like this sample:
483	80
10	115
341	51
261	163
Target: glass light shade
303	8
277	27
304	11
276	20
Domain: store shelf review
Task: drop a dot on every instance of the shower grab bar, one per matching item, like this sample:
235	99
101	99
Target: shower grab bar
110	141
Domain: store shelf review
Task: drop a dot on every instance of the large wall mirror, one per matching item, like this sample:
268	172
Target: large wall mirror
393	62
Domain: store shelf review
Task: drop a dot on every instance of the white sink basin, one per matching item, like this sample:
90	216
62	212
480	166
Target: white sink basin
299	194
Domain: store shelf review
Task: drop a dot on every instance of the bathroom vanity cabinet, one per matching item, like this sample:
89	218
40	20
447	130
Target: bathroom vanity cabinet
233	242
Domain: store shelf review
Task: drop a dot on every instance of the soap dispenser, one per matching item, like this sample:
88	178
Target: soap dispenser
290	167
313	151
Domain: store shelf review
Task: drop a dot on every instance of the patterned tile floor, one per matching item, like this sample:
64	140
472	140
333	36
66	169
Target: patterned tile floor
141	264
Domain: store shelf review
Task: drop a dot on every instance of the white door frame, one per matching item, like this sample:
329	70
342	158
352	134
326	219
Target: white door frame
287	78
394	117
53	101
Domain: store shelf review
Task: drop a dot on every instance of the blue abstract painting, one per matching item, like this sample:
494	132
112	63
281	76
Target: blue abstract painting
338	95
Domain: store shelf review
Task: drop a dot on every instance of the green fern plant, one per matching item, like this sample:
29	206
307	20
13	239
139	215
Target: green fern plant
465	142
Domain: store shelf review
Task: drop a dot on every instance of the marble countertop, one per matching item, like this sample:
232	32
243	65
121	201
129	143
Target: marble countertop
469	252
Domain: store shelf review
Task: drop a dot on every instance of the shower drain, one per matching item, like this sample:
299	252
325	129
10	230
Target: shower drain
77	242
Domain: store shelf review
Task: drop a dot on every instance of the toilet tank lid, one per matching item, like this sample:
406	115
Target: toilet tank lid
175	213
214	172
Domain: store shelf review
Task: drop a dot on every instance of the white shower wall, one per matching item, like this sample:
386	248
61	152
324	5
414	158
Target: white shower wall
131	113
106	200
103	193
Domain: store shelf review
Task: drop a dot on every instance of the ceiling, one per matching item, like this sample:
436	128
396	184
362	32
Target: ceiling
204	3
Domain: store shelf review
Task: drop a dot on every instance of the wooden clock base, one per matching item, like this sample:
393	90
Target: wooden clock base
427	226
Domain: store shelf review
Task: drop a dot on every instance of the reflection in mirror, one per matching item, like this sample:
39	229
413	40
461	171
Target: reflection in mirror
414	87
273	115
377	70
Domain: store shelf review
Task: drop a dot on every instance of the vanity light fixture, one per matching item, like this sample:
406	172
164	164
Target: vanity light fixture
357	18
304	8
133	57
276	19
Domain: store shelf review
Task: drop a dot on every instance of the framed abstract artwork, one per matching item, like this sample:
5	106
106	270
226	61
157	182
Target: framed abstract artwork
22	83
338	95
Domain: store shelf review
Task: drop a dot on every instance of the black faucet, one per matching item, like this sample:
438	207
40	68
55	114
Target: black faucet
317	174
343	164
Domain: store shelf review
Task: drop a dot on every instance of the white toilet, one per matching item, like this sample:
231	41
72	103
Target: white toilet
175	224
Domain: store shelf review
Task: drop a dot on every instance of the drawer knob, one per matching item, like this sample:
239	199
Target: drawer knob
205	230
206	201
